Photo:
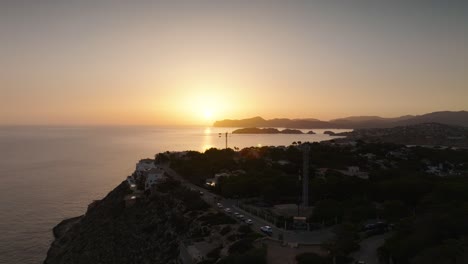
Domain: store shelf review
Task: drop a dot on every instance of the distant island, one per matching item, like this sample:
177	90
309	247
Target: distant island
431	134
354	122
255	130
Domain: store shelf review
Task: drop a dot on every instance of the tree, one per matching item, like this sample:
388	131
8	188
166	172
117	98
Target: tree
327	211
311	258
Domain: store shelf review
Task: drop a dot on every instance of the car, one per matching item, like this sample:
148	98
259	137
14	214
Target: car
219	205
236	214
359	262
201	193
249	221
227	210
241	216
267	230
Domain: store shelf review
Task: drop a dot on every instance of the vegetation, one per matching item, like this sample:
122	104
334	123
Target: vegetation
216	219
311	258
423	192
253	256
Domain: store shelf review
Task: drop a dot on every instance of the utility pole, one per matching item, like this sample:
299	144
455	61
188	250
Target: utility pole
226	136
305	177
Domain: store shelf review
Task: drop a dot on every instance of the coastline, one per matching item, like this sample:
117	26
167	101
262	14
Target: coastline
61	228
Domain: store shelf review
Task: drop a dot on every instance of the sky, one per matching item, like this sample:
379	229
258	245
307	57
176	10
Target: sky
112	62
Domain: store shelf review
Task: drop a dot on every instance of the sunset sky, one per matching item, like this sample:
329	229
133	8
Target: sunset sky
193	62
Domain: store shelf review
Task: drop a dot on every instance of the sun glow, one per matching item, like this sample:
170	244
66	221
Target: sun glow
208	114
207	106
203	102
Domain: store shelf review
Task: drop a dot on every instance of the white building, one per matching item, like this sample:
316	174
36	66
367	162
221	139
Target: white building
144	165
153	177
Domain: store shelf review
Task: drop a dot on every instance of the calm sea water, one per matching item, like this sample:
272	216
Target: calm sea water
51	173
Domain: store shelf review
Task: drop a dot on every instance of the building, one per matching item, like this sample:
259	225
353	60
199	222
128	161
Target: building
144	165
195	252
214	181
355	172
153	177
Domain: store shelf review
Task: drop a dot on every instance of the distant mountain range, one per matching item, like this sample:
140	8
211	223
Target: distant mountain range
445	117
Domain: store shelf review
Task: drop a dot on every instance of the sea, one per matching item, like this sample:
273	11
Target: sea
48	174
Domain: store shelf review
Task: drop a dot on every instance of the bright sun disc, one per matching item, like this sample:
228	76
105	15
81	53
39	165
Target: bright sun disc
208	114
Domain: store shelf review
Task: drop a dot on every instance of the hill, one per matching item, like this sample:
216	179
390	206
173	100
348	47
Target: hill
459	118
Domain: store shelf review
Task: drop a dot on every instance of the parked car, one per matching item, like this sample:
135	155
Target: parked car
376	228
267	230
249	221
236	214
377	225
241	216
219	205
227	210
201	193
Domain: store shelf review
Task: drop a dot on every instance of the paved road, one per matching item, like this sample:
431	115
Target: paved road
368	250
303	237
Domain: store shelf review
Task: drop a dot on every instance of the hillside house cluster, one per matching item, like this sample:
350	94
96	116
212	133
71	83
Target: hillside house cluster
146	176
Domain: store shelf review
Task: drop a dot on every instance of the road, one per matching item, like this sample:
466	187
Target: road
368	249
302	237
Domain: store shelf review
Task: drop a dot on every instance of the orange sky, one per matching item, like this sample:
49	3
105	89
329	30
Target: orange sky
183	64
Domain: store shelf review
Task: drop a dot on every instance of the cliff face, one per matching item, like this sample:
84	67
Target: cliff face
147	232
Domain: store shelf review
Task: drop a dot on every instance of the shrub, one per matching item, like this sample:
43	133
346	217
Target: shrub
241	246
311	258
216	219
225	230
254	256
244	229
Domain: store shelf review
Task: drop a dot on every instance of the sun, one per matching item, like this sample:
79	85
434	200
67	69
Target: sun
208	114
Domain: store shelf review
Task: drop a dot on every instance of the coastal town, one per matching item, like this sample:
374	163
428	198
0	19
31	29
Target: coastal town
358	203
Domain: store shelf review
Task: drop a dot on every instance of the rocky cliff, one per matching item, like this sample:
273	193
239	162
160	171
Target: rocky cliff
150	231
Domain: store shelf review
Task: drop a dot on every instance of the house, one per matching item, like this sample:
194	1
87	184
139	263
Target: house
354	171
213	181
144	165
153	177
195	252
